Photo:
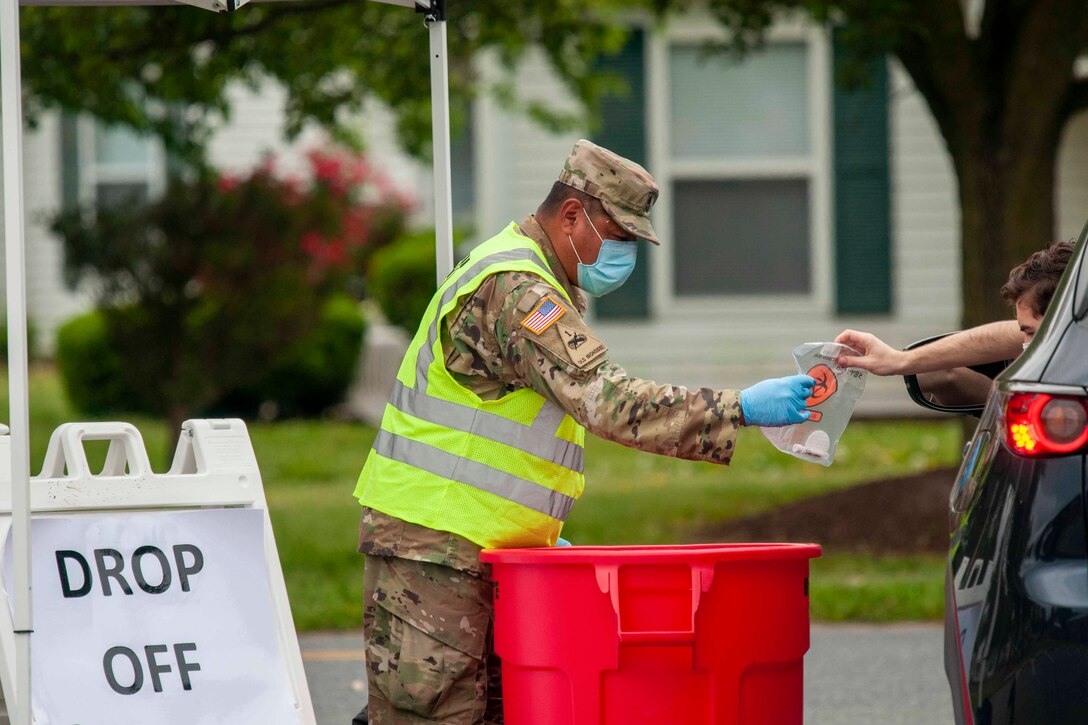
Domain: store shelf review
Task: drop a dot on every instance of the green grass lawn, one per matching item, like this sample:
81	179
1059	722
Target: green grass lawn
309	470
860	588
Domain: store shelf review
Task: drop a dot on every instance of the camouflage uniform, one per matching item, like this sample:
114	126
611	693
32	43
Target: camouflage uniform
427	623
426	590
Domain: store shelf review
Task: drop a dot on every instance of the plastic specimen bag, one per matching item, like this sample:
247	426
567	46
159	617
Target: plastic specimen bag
832	403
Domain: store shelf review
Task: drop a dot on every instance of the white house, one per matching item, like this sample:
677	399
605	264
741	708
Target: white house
790	208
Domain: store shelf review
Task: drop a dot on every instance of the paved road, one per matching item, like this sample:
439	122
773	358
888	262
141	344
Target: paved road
854	675
892	675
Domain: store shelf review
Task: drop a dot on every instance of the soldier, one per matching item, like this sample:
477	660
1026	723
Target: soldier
481	443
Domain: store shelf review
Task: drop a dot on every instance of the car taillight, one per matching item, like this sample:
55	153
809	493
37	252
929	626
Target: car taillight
1038	424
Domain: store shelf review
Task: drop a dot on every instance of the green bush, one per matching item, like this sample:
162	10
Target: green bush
313	375
316	373
91	369
402	279
210	287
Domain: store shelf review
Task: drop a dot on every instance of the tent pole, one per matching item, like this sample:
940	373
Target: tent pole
440	139
19	402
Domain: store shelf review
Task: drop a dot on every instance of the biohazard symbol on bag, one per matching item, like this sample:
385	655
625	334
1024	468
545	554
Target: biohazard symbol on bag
835	392
826	386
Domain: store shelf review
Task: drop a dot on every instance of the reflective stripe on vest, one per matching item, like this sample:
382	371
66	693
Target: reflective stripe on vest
530	439
513	488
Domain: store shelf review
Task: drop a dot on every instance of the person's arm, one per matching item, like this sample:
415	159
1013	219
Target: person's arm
568	365
976	346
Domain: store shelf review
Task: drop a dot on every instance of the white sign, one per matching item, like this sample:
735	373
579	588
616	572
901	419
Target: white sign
159	617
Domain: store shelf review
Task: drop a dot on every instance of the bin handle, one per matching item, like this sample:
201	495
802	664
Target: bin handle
608	581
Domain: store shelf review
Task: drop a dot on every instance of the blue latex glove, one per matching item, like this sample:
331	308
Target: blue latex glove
776	402
562	542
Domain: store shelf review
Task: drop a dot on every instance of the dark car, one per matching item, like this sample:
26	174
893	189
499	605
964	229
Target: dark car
1016	616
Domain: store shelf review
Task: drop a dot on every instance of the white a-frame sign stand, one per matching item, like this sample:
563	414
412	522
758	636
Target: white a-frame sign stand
158	598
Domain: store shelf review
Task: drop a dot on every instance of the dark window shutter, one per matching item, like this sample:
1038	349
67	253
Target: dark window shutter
463	171
623	130
69	155
862	193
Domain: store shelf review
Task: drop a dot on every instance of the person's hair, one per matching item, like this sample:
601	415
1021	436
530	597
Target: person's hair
1035	280
561	192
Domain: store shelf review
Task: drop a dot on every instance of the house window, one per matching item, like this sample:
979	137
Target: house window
741	236
124	170
743	150
108	166
723	108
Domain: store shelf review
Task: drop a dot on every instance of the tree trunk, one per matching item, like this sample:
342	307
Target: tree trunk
1007	208
1001	96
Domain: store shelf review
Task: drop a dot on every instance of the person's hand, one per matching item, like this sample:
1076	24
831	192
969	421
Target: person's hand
776	402
876	356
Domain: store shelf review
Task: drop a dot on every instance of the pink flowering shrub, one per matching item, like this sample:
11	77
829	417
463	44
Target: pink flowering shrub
210	288
338	214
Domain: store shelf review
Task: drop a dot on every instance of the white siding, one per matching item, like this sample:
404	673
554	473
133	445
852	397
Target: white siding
1072	179
925	213
256	129
518	160
49	302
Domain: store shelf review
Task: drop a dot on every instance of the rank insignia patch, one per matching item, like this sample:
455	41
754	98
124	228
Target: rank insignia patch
544	316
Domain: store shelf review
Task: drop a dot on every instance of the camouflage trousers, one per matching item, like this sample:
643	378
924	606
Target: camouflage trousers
429	655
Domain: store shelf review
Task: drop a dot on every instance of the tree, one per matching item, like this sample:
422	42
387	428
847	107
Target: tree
211	289
165	69
1001	87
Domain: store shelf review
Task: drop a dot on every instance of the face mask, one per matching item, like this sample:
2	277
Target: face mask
615	262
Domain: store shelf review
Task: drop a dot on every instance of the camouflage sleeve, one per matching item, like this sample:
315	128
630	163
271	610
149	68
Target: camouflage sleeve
553	351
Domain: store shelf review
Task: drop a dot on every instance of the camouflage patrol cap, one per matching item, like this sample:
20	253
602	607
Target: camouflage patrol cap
625	189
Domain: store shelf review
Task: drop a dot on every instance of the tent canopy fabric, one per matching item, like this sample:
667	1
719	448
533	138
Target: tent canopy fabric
219	6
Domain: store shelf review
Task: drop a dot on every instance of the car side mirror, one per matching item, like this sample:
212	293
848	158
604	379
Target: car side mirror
962	391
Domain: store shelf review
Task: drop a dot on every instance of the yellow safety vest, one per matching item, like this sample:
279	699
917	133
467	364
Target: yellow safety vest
501	473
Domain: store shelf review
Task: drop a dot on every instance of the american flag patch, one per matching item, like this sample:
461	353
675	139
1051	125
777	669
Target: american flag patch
545	314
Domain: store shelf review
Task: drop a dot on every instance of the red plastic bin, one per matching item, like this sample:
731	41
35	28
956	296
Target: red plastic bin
692	635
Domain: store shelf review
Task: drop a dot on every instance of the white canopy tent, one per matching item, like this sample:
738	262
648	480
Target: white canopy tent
15	242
